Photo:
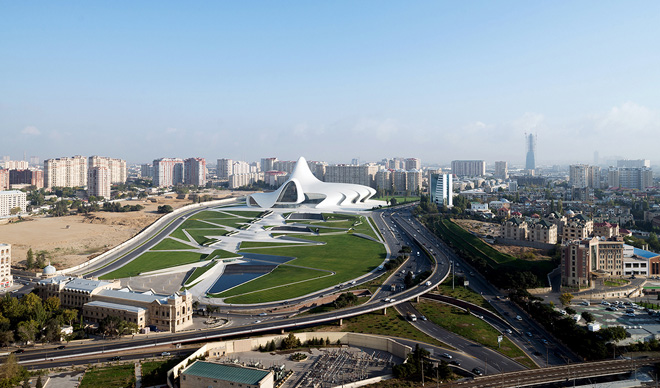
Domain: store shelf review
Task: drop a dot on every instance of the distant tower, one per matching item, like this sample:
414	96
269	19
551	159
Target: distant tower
530	162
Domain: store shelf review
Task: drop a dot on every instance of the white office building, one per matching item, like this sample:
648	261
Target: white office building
442	189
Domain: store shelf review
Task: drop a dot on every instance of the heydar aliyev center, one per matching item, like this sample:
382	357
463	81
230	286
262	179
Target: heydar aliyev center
303	189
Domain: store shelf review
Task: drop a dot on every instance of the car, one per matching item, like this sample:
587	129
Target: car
509	331
605	303
529	334
518	317
545	341
447	355
630	314
455	362
585	303
387	300
115	358
423	318
61	347
18	351
537	353
477	371
165	354
263	314
562	312
392	300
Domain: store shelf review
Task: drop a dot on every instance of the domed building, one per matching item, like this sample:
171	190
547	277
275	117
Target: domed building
49	271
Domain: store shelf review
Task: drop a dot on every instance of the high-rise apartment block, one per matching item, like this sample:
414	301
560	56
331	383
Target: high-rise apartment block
414	181
147	171
225	168
65	172
194	171
284	165
12	199
168	172
15	165
501	170
98	182
241	167
343	173
634	163
630	177
27	177
441	187
268	164
6	279
468	167
413	164
4	179
116	167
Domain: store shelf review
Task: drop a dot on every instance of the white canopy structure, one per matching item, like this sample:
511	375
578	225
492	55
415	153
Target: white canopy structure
303	189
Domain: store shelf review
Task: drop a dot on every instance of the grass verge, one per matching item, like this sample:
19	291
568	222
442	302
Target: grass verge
168	245
114	376
391	325
472	328
464	293
154	373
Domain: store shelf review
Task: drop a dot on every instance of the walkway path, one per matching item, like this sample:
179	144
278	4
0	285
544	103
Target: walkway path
138	375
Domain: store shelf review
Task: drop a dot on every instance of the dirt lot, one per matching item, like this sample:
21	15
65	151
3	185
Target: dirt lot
492	229
70	240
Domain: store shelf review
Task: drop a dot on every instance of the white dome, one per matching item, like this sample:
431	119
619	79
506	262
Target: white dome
49	270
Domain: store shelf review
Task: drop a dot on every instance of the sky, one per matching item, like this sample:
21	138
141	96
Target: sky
331	81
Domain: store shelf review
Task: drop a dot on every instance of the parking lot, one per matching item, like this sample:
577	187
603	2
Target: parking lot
622	317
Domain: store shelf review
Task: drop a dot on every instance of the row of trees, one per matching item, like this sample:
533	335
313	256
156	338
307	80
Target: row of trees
32	319
292	342
33	261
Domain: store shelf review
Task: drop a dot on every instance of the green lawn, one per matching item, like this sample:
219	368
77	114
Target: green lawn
231	222
263	244
244	213
151	261
472	328
115	376
464	293
191	224
390	325
168	244
207	214
222	254
199	271
200	235
280	277
345	254
155	372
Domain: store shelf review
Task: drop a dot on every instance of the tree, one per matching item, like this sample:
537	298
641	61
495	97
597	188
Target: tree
41	259
165	209
6	338
60	208
39	384
26	331
29	259
14	210
53	331
290	342
393	201
566	298
587	316
52	304
26	383
10	369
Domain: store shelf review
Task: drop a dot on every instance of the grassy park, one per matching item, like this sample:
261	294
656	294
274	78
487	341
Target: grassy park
151	261
346	255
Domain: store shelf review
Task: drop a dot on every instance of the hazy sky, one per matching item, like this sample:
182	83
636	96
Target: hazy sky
330	80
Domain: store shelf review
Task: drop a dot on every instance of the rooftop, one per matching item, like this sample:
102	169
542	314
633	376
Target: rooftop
116	306
85	285
235	374
644	254
133	296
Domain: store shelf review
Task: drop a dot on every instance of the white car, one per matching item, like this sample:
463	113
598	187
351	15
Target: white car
509	331
518	317
447	355
165	354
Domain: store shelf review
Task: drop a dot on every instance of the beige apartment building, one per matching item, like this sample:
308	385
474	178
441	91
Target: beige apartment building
6	278
586	258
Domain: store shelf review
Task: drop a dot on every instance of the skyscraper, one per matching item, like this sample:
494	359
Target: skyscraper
168	172
530	161
194	170
98	182
501	170
442	189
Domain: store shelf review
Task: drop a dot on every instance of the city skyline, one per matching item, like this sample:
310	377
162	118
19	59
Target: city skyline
436	80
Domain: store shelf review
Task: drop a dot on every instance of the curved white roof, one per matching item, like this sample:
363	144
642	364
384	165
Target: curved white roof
49	270
304	189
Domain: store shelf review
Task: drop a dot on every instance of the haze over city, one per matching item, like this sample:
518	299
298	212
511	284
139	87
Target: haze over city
333	81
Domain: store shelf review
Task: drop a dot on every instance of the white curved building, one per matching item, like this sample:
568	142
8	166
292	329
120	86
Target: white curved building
303	189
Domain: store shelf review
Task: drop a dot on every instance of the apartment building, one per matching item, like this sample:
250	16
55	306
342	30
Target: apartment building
586	258
344	173
268	164
240	180
4	179
116	167
26	177
65	172
168	172
413	164
468	167
15	165
577	227
441	189
12	199
194	171
501	170
638	178
6	278
98	182
225	168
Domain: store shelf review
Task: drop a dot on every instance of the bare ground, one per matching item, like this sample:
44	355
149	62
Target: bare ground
71	240
493	229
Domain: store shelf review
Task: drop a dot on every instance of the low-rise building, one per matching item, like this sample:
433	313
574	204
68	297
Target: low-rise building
98	299
586	258
203	374
543	231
